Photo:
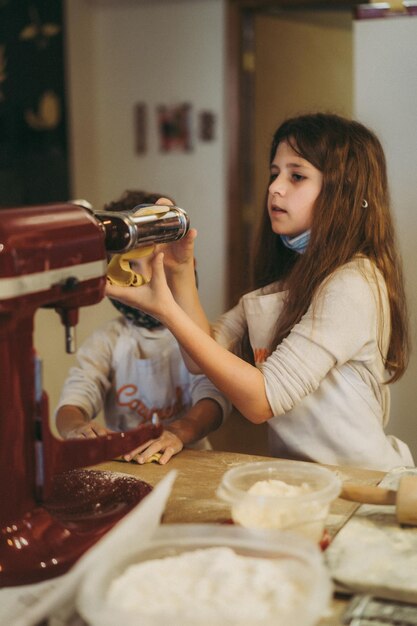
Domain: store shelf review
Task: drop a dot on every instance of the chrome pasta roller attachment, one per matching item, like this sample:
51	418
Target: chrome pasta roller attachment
144	225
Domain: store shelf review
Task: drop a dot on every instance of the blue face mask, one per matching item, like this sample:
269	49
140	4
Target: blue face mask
298	243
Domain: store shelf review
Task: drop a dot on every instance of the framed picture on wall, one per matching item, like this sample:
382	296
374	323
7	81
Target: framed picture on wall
174	128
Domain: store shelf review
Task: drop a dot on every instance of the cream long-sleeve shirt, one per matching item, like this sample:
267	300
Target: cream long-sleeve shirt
131	372
325	381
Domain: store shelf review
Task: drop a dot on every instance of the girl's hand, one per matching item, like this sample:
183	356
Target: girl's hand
177	253
154	297
168	444
73	423
87	431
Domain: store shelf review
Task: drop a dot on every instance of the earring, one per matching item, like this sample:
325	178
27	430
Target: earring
364	204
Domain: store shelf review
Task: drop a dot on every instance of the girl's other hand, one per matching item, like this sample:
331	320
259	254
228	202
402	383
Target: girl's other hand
164	202
87	431
167	444
154	297
73	423
177	253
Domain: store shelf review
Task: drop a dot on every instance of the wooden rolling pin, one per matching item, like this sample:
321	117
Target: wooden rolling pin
404	499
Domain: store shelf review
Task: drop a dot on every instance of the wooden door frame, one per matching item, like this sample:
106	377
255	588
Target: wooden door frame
240	99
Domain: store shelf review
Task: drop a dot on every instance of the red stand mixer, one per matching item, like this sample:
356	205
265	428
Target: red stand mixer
54	256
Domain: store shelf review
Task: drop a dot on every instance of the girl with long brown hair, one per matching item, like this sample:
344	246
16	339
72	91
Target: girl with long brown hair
312	349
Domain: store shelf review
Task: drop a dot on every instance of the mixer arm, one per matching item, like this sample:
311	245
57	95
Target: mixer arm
55	456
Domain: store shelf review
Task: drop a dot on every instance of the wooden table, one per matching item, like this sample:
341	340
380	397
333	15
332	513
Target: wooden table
193	498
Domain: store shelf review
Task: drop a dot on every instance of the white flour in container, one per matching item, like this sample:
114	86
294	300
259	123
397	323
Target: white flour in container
279	488
212	585
276	504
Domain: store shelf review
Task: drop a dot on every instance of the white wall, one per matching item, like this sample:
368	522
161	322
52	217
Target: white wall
385	96
160	52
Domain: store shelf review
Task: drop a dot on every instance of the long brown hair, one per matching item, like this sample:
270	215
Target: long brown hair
352	162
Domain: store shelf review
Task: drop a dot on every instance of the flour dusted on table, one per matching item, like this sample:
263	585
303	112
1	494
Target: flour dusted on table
212	584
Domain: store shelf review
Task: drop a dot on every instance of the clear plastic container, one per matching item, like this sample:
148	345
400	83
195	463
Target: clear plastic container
301	586
302	507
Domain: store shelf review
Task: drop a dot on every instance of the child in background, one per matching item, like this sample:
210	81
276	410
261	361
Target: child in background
313	348
133	369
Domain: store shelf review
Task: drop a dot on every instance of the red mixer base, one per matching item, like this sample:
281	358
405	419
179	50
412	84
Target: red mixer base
83	506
